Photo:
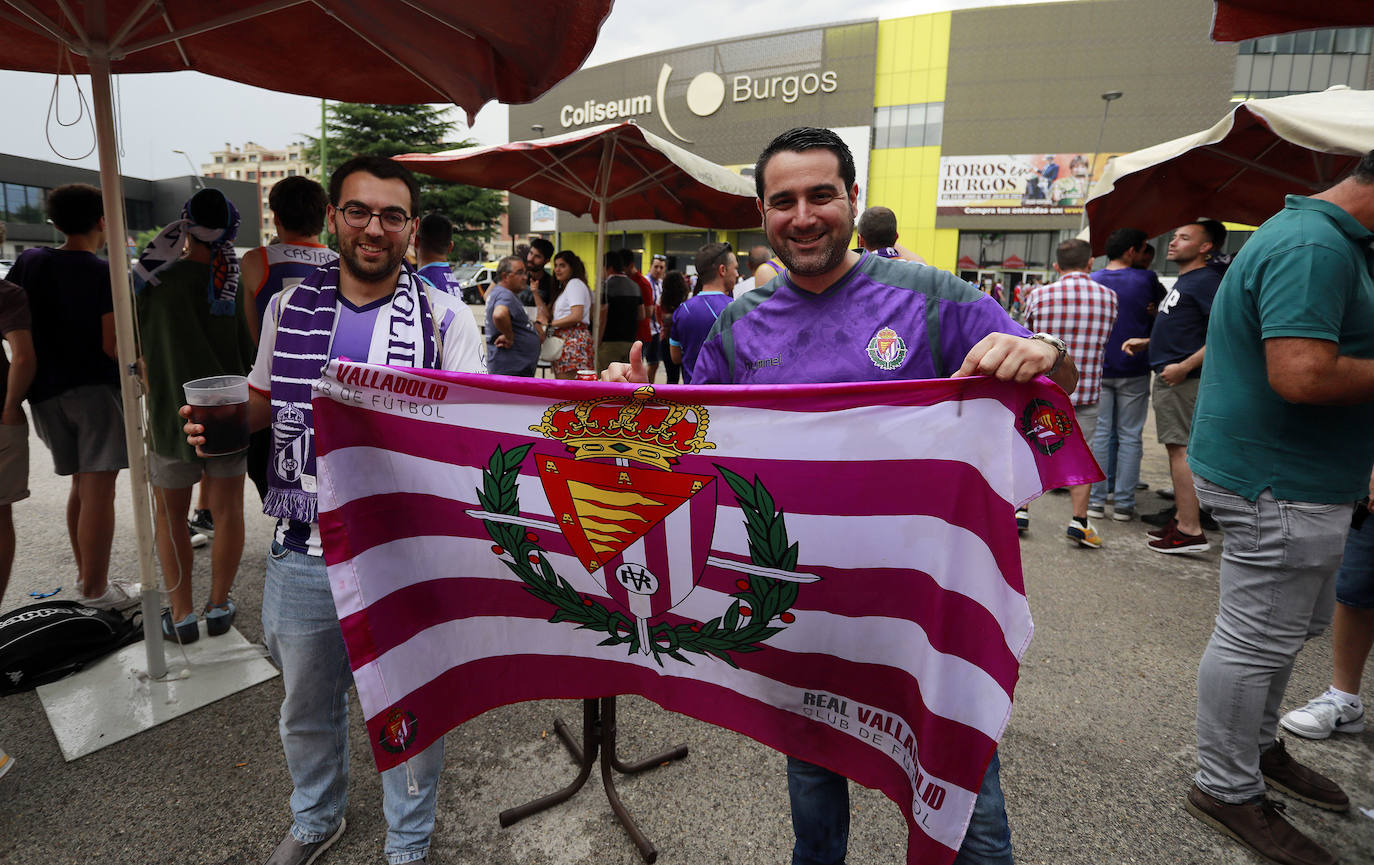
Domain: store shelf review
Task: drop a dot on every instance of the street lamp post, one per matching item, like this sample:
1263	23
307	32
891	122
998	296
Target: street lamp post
1107	99
195	173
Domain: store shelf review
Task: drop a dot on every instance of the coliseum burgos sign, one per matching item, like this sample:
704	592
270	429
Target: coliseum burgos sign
705	95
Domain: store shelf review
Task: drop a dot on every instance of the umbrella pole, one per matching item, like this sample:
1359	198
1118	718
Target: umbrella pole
600	281
112	189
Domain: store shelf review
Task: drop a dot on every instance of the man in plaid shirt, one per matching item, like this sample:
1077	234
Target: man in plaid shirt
1081	313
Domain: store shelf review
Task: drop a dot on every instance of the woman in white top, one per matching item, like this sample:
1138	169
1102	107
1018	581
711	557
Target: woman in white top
572	306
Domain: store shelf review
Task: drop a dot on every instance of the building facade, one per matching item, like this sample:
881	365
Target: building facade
25	183
262	167
980	128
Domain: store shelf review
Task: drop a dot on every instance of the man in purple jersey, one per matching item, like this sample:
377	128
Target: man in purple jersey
835	315
433	244
717	269
298	205
1125	400
368	306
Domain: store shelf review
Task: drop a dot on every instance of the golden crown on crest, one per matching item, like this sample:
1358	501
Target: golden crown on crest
637	427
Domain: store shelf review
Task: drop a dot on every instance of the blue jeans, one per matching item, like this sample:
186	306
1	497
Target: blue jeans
1278	589
1355	579
1121	412
303	635
820	817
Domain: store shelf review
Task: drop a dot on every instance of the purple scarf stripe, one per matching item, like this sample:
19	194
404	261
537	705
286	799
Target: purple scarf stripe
305	330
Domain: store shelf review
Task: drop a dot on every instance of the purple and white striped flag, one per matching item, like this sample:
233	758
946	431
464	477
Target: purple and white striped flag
830	569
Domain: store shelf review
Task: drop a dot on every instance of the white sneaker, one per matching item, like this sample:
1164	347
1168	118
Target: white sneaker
1096	512
1323	716
198	540
1121	516
118	596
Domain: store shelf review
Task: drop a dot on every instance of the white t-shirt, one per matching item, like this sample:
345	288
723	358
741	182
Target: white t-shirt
355	331
743	287
575	293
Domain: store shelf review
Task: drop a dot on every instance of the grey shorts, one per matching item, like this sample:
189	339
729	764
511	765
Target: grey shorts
84	429
1174	410
14	463
1086	417
174	474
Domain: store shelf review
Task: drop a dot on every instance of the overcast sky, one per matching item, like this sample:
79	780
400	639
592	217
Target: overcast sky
196	113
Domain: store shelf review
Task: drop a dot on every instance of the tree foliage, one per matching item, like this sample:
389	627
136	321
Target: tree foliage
387	130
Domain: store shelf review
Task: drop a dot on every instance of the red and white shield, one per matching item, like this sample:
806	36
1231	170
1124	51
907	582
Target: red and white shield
643	534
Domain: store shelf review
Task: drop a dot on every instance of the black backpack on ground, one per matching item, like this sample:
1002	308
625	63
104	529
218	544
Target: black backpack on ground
41	643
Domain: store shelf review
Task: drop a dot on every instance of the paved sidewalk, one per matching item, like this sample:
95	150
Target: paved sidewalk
1096	762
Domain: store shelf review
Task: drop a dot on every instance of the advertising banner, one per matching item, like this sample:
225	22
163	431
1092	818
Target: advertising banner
1040	184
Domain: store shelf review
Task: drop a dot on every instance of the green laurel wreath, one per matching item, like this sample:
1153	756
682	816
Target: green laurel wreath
748	621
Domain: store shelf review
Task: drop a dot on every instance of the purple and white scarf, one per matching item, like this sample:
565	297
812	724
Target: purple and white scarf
305	328
164	250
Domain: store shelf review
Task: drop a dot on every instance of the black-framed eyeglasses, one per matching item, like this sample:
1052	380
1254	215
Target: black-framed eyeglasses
393	219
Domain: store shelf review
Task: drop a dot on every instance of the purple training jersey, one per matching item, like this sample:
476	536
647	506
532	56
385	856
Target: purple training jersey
440	275
285	265
692	321
884	320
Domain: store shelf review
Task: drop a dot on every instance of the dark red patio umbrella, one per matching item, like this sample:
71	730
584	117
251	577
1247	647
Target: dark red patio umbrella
389	51
1237	20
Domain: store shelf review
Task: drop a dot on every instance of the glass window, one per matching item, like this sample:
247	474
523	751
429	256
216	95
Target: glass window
896	133
1246	47
935	122
915	125
1347	41
1302	42
1322	40
880	119
1283	44
1265	44
290	172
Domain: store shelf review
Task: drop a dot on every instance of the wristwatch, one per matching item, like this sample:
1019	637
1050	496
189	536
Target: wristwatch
1057	344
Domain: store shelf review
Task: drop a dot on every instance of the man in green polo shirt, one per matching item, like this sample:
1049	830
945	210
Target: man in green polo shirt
1280	450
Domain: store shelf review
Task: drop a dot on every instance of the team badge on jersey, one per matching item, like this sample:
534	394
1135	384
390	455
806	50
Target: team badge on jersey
887	350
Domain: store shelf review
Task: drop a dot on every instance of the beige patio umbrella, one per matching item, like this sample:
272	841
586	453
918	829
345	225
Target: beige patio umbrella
613	172
1240	169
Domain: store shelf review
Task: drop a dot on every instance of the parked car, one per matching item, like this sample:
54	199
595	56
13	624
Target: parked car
473	278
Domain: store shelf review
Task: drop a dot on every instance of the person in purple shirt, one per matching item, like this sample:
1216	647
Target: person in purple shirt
717	270
835	315
1125	399
433	243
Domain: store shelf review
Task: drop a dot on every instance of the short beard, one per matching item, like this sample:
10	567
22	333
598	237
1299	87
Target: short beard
829	258
368	276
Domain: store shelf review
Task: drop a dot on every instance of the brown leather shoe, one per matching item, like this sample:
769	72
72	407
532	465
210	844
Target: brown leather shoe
1259	825
1287	775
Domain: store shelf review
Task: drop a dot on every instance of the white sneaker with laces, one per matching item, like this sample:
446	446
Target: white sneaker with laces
1096	512
1323	716
119	595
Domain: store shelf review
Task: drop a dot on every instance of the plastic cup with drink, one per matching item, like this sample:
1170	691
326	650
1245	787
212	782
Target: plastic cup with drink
220	404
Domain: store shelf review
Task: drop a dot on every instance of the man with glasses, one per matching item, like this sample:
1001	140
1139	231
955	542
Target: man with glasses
367	306
512	343
717	269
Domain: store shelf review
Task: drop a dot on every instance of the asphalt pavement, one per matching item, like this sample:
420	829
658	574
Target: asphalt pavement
1096	761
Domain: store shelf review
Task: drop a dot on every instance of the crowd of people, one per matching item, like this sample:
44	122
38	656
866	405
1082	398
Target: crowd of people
1260	370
